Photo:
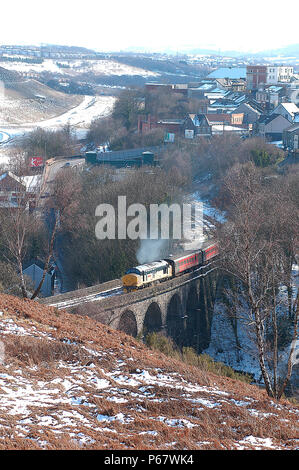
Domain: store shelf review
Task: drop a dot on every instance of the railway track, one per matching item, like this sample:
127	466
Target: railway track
111	289
96	296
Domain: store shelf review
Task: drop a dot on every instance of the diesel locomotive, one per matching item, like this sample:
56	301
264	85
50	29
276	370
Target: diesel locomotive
153	273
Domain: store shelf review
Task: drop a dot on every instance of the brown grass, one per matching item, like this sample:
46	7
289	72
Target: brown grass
69	336
38	351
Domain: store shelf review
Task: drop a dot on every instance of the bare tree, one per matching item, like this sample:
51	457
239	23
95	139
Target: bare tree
33	215
258	244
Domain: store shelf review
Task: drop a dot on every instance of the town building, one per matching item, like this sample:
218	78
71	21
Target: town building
279	74
34	269
11	188
289	110
292	91
271	127
270	96
17	191
231	84
147	122
290	138
257	75
251	112
199	124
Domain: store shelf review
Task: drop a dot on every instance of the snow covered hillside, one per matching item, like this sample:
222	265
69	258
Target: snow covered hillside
68	382
237	347
76	67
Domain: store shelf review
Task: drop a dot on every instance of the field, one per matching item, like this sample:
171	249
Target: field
77	67
30	101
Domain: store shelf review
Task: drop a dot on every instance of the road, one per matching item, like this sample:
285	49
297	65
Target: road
52	168
4	137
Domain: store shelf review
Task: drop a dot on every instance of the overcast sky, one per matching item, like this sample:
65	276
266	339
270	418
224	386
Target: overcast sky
114	25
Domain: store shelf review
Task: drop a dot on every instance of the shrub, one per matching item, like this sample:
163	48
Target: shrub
162	343
189	356
35	351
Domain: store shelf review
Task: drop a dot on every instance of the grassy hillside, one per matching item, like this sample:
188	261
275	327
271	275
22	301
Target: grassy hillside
27	100
68	382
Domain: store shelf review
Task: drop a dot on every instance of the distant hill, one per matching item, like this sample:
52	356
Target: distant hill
288	51
28	100
7	76
71	49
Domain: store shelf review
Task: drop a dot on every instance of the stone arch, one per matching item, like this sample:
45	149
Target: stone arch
128	323
193	329
175	319
153	318
192	297
205	315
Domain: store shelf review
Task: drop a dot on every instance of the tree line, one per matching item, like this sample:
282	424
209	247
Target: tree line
258	250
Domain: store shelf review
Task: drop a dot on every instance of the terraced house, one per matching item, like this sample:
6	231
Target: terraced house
291	138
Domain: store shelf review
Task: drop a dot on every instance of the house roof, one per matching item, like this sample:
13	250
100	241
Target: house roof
218	128
197	119
228	72
32	182
251	106
13	176
171	121
205	87
275	88
40	263
266	119
230	81
9	204
291	108
218	117
230	100
121	155
293	128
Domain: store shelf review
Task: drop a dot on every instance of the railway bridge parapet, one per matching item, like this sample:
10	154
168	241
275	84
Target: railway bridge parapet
182	307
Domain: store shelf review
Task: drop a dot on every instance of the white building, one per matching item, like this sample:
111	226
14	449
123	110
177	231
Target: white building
278	74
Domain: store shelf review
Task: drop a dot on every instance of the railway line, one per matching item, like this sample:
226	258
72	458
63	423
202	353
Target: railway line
114	289
97	296
87	294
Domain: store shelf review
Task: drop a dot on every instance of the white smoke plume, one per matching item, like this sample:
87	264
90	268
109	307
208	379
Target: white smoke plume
152	250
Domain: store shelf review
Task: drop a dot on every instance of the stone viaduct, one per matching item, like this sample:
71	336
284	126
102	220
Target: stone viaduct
182	307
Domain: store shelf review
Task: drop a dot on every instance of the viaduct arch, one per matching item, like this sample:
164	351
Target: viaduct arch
182	309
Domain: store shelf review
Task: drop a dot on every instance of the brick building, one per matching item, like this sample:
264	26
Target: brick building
256	75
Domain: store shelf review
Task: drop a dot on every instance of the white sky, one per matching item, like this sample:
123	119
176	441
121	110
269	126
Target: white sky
153	24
